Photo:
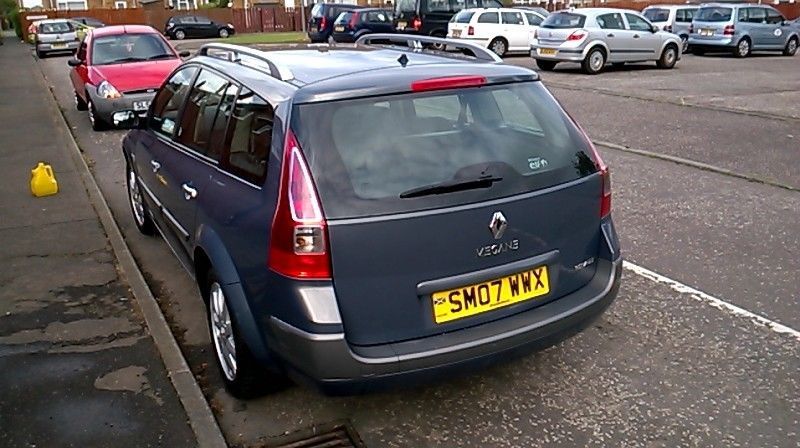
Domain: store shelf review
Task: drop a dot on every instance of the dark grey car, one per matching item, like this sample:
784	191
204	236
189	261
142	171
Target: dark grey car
375	215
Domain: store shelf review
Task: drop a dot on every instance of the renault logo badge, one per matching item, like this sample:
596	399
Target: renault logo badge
498	225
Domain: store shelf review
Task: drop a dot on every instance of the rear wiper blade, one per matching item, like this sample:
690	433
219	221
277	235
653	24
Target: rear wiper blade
451	186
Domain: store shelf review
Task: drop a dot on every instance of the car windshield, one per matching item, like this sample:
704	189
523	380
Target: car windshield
463	17
656	14
713	14
564	20
317	11
129	48
366	155
55	28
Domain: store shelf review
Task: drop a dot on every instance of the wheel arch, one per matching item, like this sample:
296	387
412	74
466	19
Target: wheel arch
594	44
210	252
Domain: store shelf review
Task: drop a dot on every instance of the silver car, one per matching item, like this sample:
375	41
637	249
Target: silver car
742	29
675	19
56	35
597	36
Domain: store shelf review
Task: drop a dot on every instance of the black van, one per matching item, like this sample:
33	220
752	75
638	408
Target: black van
430	17
320	23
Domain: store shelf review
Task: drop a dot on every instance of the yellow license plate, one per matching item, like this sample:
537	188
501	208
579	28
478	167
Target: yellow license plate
339	29
482	297
58	45
456	33
548	51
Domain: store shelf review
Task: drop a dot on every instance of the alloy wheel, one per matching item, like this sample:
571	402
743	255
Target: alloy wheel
744	47
499	47
135	195
596	61
222	331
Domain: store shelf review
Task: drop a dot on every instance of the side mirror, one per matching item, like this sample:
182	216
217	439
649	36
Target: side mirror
74	62
653	29
130	119
185	54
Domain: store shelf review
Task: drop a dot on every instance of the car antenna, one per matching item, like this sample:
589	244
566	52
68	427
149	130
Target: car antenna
403	60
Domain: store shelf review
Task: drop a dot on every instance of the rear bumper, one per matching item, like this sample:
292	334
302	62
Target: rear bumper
562	54
64	46
699	42
328	361
344	37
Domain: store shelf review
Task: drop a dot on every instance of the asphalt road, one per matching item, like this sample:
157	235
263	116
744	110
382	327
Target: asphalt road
662	367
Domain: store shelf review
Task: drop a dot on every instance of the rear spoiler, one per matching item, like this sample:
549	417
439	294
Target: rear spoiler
414	43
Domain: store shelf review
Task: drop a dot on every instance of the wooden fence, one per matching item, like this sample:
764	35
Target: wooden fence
280	19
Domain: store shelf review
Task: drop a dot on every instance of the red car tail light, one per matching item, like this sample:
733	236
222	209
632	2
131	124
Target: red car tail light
323	23
577	35
471	31
299	239
728	31
416	23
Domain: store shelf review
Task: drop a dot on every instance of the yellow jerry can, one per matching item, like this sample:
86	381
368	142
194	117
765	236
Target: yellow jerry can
43	181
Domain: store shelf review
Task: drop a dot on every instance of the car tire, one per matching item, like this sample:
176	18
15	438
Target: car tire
668	57
547	66
594	61
242	375
684	44
441	35
97	123
499	46
791	47
223	33
743	48
80	104
180	35
139	210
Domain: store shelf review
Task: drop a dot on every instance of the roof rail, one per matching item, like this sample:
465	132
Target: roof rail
249	57
414	43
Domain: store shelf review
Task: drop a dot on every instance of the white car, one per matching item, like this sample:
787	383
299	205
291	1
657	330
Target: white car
502	30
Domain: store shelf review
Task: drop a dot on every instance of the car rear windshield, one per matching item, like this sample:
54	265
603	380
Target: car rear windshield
463	17
366	155
317	10
713	14
343	18
406	6
656	14
564	20
55	28
130	48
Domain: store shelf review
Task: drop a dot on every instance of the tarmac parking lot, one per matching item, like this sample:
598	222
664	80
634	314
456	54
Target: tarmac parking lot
702	346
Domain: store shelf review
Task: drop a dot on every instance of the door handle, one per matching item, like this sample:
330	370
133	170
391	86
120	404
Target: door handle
610	35
156	166
189	192
635	36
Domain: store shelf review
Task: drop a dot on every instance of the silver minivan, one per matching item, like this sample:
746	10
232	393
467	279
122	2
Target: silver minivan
742	29
675	19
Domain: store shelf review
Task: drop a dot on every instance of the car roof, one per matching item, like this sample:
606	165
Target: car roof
672	6
729	5
334	74
123	29
592	12
524	11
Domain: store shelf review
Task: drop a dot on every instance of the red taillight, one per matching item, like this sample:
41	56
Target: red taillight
605	176
449	82
471	31
728	31
323	23
577	35
353	20
298	241
416	23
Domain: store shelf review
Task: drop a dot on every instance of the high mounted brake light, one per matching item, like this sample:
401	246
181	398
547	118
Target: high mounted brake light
448	82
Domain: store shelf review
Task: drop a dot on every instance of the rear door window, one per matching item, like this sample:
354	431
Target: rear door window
366	153
657	14
564	20
533	19
753	15
204	107
168	101
611	21
512	18
489	17
463	17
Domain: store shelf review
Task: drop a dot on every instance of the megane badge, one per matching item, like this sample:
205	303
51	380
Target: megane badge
498	225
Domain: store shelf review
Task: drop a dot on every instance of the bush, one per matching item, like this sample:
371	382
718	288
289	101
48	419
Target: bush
16	20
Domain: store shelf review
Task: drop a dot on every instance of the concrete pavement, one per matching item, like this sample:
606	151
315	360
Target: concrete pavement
79	367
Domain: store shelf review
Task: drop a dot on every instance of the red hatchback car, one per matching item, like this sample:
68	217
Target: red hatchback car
118	69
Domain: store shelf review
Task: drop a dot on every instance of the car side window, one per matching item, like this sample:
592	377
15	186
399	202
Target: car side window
492	4
680	15
533	19
187	19
611	21
438	5
636	23
200	113
774	17
489	17
458	5
756	15
690	14
203	20
250	137
168	101
512	18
